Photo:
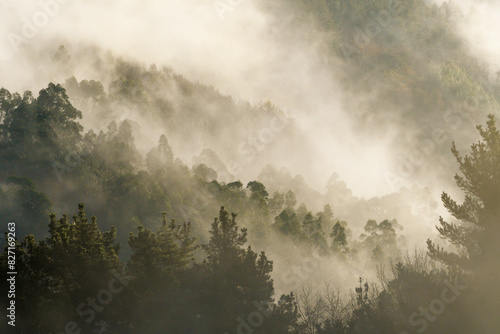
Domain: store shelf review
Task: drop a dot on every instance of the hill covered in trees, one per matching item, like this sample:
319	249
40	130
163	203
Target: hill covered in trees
147	201
162	288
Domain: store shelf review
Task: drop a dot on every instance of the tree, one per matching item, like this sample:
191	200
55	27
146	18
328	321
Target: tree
362	317
381	239
58	276
157	263
475	236
276	203
290	199
160	157
288	223
327	217
82	260
339	238
205	173
36	132
118	148
62	55
159	255
258	192
27	206
285	317
238	279
313	231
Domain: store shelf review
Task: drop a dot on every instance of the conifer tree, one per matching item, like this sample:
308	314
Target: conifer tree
60	274
158	262
475	236
238	279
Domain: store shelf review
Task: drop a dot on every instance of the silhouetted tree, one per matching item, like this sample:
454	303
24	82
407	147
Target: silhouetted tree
475	237
238	281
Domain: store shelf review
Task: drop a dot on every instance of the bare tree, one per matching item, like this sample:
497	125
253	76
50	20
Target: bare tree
311	309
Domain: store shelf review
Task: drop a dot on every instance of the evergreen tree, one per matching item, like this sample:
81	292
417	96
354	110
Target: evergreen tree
35	132
158	262
238	280
475	236
339	238
27	206
61	278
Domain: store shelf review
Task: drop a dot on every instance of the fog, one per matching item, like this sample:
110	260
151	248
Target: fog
238	50
479	28
252	55
330	130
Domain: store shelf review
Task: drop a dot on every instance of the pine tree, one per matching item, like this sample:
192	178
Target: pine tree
158	263
59	274
159	255
475	236
238	279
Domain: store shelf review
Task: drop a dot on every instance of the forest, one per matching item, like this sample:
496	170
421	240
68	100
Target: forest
140	197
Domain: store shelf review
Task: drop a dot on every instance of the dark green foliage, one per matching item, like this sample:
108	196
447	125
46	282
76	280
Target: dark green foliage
237	277
158	255
35	132
22	203
157	262
285	317
258	190
60	272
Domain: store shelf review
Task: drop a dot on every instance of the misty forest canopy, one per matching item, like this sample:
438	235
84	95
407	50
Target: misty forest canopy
118	234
